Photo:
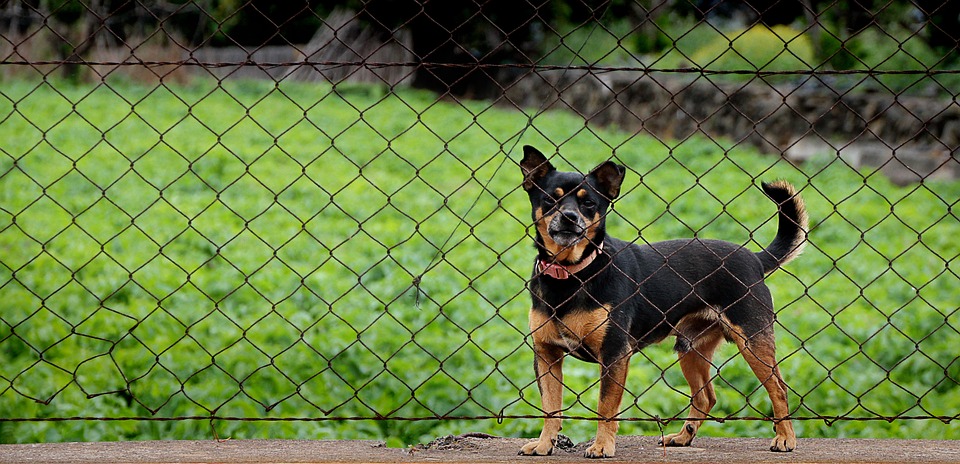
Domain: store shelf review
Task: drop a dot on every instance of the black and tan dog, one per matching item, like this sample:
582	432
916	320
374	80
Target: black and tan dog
601	299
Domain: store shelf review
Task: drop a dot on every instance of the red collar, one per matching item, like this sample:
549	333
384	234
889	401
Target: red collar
559	271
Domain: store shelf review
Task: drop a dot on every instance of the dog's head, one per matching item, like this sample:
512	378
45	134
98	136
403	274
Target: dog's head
568	207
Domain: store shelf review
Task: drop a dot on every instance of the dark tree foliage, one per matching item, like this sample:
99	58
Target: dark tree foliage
450	37
944	28
269	22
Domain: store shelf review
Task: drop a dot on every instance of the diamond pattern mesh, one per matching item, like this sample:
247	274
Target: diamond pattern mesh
271	214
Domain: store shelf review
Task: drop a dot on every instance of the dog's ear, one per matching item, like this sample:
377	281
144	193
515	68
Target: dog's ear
609	176
534	166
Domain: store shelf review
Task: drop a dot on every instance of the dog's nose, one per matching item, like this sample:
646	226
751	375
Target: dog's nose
571	216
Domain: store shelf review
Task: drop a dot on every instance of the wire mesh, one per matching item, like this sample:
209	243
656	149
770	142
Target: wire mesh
253	212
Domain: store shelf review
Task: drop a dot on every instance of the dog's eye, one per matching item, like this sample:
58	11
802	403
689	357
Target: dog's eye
549	202
589	204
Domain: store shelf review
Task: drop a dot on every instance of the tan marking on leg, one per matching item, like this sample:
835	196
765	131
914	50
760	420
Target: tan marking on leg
548	366
542	328
760	353
613	377
696	367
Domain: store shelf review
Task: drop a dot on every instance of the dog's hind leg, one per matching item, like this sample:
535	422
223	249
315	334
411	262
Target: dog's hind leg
760	353
696	366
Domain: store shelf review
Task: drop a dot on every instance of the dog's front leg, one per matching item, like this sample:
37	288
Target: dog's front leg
613	376
548	366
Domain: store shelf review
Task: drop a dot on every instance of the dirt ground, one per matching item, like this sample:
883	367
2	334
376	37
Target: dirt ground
476	448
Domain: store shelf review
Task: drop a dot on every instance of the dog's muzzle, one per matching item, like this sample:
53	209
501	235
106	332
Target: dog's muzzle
567	228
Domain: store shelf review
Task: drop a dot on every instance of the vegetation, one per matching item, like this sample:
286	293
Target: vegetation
779	38
863	35
250	250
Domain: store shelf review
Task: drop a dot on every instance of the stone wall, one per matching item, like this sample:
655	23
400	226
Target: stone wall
908	138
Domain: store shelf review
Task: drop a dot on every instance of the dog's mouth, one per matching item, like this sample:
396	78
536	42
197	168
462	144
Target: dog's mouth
566	238
565	232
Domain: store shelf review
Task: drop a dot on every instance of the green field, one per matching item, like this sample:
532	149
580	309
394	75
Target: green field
249	250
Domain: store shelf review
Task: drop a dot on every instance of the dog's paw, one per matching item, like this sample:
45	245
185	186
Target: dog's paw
783	443
537	448
682	438
601	449
676	439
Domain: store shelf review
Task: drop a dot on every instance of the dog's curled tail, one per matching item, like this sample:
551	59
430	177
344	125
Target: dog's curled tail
792	228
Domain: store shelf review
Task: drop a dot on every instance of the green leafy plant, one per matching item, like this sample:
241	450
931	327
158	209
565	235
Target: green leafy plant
301	251
779	48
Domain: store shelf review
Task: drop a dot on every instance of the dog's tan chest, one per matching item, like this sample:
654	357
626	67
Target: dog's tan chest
573	332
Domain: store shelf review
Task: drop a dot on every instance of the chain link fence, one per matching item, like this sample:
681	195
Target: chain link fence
304	218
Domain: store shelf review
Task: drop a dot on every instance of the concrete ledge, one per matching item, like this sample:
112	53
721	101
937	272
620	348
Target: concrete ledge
479	450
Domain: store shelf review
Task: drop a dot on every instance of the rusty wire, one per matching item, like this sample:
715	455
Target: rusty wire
862	110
